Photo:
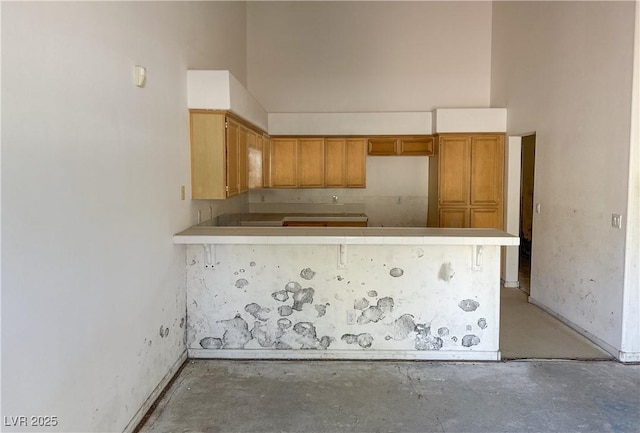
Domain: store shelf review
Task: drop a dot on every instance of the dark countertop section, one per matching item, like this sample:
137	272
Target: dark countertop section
276	219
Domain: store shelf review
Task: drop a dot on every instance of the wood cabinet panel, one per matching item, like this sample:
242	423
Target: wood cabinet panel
243	165
284	163
208	163
335	162
266	161
486	218
487	156
383	146
468	171
454	217
233	178
453	185
255	160
416	146
356	163
311	163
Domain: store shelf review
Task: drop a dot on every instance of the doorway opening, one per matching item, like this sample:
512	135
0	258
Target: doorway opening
527	173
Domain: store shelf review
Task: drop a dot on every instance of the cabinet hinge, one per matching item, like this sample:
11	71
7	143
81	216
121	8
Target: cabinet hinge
226	188
226	124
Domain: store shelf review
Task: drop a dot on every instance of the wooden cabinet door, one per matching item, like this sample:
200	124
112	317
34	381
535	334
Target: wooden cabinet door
255	158
417	146
243	160
311	162
266	161
284	163
486	171
383	146
454	217
335	163
453	168
233	178
208	168
356	163
485	218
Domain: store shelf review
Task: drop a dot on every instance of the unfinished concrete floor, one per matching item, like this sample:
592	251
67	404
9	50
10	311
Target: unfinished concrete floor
370	396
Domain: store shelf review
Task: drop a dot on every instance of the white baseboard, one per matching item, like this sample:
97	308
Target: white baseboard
427	355
510	284
588	335
155	394
629	356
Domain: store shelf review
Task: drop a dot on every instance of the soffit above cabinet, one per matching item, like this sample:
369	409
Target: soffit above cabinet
219	90
461	120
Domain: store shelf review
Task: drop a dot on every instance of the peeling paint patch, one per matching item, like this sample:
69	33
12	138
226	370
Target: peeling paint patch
360	304
293	287
285	310
326	341
377	312
340	277
280	295
182	322
304	296
443	332
446	272
252	264
372	293
470	340
211	343
307	333
321	309
482	323
419	252
468	305
259	333
257	311
282	346
307	273
425	340
364	340
284	323
402	327
469	327
236	333
241	283
396	272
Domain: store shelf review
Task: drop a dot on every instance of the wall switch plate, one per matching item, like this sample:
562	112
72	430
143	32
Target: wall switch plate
616	221
182	192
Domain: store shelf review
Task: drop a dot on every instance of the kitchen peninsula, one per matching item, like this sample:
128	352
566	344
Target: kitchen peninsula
343	292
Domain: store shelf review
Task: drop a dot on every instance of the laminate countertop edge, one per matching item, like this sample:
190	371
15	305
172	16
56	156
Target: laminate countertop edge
215	235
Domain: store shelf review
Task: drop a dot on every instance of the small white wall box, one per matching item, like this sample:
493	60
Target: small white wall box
140	76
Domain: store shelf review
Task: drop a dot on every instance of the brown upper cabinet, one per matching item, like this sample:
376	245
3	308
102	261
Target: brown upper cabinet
220	160
316	162
466	180
419	145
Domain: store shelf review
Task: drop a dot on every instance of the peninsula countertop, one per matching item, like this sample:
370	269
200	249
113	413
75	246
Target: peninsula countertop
234	235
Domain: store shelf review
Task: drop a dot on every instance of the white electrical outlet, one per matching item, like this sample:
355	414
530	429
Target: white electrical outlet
351	317
616	221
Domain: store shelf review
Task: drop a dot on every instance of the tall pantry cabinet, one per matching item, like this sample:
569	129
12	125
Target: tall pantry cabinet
466	178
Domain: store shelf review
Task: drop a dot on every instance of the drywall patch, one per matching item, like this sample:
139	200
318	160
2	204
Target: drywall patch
293	287
468	305
376	313
321	309
372	294
259	333
482	323
443	332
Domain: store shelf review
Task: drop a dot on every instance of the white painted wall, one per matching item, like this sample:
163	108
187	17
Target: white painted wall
368	56
564	70
91	174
